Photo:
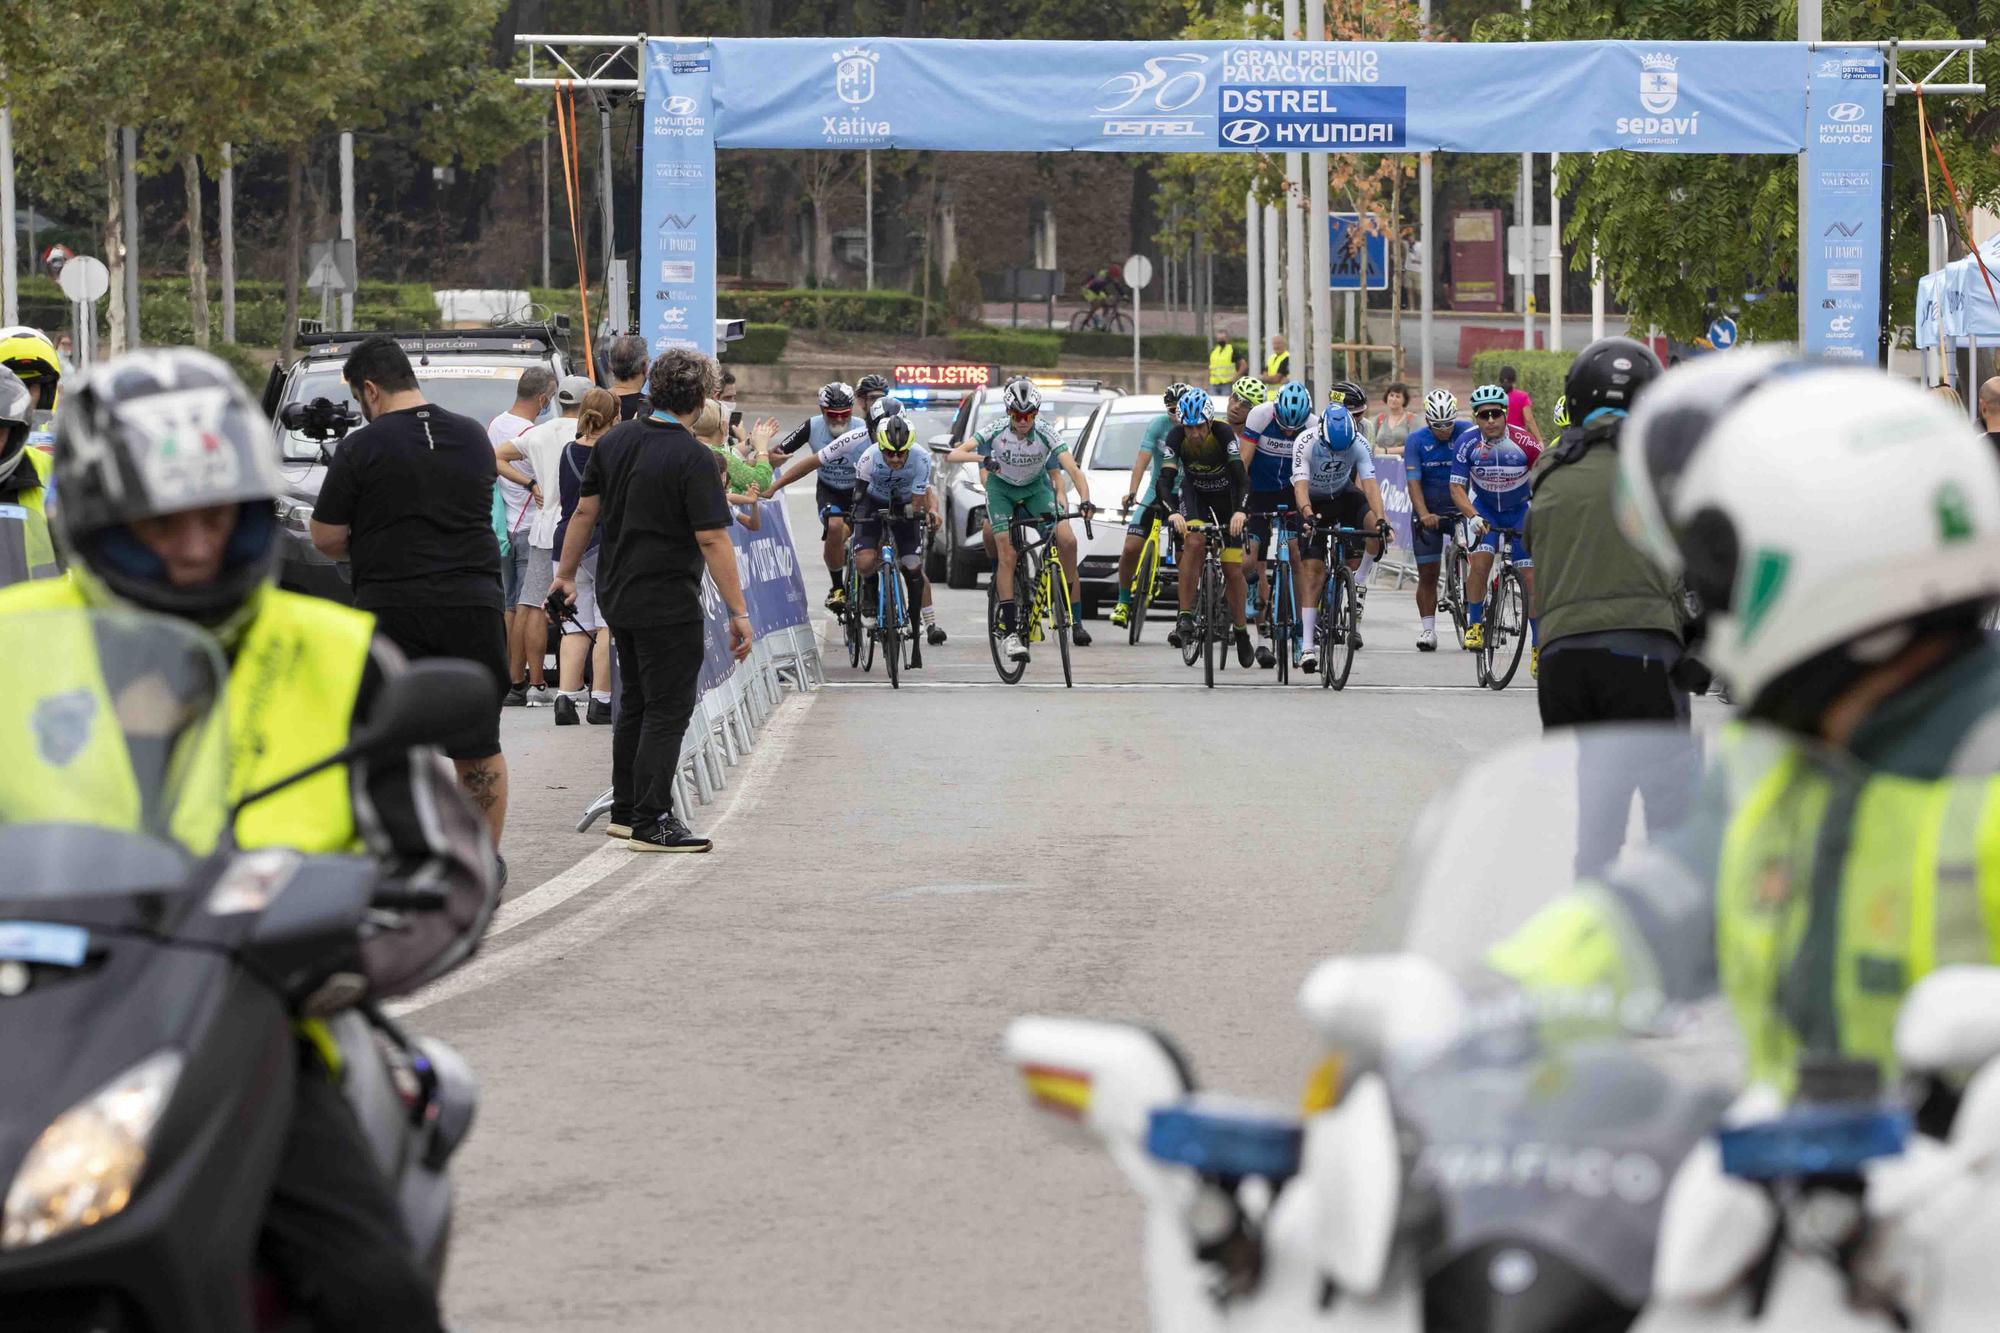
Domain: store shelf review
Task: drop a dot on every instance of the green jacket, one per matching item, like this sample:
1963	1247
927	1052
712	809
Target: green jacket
743	475
1588	576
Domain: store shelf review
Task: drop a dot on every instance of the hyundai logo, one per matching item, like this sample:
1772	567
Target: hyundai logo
1845	112
682	105
1246	133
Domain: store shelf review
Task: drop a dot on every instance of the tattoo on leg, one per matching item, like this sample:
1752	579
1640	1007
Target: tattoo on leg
482	784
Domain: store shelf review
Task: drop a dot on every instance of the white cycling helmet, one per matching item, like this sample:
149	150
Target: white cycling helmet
1022	396
1440	407
1822	515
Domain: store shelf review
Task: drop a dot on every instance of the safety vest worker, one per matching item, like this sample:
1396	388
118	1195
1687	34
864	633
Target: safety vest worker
1277	366
26	549
1221	364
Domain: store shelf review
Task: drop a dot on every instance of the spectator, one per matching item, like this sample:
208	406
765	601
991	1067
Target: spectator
1989	411
585	637
1520	407
1395	421
664	516
745	506
408	501
1221	364
539	451
66	354
626	356
522	497
749	464
1278	368
729	408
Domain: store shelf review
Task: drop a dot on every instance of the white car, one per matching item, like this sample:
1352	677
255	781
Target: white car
1109	444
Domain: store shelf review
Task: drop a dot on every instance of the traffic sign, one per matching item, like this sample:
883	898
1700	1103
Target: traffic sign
1358	255
330	265
1722	333
84	278
1138	272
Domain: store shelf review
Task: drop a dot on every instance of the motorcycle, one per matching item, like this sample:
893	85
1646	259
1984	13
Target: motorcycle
148	995
1509	1136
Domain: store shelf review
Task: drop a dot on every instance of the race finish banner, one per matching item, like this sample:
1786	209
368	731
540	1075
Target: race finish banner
1842	297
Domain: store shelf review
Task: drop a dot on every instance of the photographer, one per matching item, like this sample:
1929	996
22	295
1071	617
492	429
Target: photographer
408	500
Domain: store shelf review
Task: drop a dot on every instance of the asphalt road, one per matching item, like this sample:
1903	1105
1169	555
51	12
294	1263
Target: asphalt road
761	1089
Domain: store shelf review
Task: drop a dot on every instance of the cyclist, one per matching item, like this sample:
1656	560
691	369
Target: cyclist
1428	458
1269	433
889	474
1202	454
869	390
1333	481
1352	397
1103	291
1020	456
834	460
26	549
1145	503
1489	485
31	356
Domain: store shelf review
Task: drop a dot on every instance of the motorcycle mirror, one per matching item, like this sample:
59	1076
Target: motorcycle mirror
1372	1002
1110	1076
1950	1020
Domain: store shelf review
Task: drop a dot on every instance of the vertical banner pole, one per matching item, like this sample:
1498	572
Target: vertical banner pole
1135	337
347	222
676	243
1845	168
1253	236
1273	268
1555	258
1427	276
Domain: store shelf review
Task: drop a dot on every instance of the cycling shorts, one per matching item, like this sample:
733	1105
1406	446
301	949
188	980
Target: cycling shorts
1143	516
1349	509
827	499
1517	546
1260	507
1004	499
1213	507
1428	544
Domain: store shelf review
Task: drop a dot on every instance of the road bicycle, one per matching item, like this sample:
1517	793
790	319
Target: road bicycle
1284	598
1041	580
1506	617
852	632
1106	316
1453	572
1148	575
893	626
1339	603
1212	626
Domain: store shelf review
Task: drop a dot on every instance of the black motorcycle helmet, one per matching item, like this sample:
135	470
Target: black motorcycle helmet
17	421
162	432
1608	373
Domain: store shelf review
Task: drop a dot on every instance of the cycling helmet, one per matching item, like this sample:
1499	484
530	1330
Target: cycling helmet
894	434
1488	395
1294	406
1022	396
1562	411
1608	373
882	409
1336	427
1249	389
1440	407
836	397
1713	489
32	357
1172	397
17	420
1349	395
155	433
1195	408
871	384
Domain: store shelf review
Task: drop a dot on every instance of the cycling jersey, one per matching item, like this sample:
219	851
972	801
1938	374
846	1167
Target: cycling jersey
1021	460
812	433
1270	446
886	484
1429	461
837	459
1495	474
1328	471
1207	461
1156	435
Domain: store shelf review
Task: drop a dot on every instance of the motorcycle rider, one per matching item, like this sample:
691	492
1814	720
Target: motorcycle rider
166	470
1822	875
26	549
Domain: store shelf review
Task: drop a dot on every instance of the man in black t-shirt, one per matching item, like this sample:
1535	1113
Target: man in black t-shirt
408	500
626	358
652	491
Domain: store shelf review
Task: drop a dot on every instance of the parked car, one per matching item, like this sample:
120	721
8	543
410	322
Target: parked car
959	551
1109	445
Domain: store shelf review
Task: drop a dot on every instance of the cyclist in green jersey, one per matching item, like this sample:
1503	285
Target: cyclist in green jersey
1146	465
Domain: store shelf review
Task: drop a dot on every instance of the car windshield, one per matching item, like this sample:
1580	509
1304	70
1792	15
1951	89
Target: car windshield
1116	444
1062	413
481	390
129	762
928	421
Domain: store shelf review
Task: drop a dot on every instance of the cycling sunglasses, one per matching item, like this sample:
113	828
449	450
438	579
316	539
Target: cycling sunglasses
1491	413
1028	415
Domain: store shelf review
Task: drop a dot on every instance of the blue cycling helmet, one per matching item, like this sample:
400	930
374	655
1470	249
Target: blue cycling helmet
1195	408
1294	406
1488	395
1336	427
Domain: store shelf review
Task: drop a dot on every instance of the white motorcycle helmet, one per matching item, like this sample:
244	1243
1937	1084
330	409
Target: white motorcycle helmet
1823	516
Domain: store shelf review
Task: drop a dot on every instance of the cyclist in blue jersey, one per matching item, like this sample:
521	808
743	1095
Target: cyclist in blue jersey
1489	485
1266	439
1428	458
1333	482
891	474
834	422
1143	500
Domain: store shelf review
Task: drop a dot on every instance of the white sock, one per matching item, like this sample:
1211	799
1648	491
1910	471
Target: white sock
1367	568
598	696
930	615
1311	618
1430	624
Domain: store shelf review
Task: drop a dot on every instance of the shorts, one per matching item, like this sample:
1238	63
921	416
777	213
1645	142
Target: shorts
832	502
1143	516
474	634
868	525
1004	499
586	619
541	573
1211	507
1349	509
1260	507
513	574
1517	545
1428	545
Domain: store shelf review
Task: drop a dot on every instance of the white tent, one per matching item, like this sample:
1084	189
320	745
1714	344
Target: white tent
1955	304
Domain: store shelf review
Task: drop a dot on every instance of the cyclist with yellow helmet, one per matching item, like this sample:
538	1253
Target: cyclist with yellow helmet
26	549
31	356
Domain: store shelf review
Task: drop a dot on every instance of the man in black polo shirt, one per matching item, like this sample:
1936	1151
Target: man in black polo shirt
626	358
408	499
652	487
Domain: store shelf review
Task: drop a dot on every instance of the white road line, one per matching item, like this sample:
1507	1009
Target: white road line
559	889
638	893
1059	687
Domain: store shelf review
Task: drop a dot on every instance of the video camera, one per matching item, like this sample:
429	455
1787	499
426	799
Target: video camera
321	419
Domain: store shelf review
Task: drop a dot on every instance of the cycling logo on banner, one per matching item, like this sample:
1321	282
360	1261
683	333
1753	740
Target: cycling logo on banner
1161	97
1312	97
1659	93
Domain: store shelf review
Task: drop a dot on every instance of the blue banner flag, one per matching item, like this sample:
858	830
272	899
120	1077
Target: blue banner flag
1842	291
676	278
1358	256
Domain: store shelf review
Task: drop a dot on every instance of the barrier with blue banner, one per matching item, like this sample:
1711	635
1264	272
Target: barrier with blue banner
774	592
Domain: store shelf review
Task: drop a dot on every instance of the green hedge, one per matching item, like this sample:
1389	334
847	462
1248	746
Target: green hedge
1541	375
1170	347
848	311
250	367
760	345
1007	348
164	316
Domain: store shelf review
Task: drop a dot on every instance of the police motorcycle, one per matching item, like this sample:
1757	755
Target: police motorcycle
148	997
1499	1142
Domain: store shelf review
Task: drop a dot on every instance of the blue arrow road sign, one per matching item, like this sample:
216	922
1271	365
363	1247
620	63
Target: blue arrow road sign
1722	333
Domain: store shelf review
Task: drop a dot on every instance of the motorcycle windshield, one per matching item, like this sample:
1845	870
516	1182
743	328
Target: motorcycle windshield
113	759
1567	889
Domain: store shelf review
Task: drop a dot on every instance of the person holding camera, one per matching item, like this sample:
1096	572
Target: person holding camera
408	501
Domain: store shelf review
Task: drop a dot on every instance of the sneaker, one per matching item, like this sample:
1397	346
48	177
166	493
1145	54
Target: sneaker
1355	634
935	634
1265	657
667	834
1427	641
516	696
1078	635
1475	638
599	713
1244	655
1121	615
1263	629
540	696
617	830
503	868
1309	661
566	711
836	600
1013	649
1182	631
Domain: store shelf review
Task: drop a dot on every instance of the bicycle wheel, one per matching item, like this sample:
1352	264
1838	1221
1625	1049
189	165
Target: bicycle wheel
1080	321
1281	618
1059	606
1010	670
1506	629
1346	610
1117	322
850	616
1210	626
892	622
1198	609
1142	589
1454	591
